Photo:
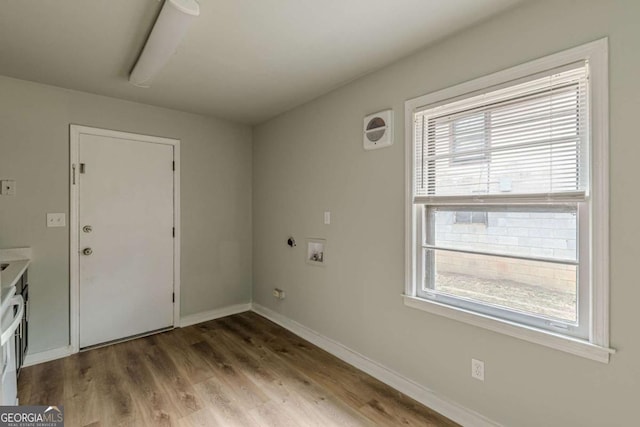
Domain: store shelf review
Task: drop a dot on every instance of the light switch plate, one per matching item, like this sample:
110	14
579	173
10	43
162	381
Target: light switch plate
56	220
8	187
327	218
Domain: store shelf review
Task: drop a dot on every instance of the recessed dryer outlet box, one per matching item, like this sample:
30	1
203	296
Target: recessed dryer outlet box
316	251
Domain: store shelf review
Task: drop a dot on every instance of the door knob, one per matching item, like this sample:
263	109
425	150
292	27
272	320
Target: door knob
87	251
87	229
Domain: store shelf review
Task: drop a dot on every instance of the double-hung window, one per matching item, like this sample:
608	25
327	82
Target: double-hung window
507	201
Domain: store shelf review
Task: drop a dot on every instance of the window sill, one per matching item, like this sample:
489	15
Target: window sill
538	336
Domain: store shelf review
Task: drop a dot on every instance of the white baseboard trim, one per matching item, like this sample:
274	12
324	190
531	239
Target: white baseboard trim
449	409
47	355
205	316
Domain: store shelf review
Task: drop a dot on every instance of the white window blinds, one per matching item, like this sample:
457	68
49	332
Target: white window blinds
525	140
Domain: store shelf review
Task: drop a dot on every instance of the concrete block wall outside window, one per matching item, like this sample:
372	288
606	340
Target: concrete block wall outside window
545	235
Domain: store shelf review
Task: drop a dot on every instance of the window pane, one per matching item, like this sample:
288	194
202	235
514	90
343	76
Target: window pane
538	234
525	139
533	287
469	135
466	217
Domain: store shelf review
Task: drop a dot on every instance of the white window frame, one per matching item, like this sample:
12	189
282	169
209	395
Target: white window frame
579	328
596	345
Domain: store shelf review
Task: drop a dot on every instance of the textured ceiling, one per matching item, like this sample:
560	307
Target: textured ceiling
244	60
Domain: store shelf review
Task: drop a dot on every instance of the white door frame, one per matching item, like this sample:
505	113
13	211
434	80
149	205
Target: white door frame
74	260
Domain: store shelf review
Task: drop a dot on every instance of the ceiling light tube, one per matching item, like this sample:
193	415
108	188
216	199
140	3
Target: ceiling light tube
172	24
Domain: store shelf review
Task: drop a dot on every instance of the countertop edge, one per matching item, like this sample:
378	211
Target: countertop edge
16	269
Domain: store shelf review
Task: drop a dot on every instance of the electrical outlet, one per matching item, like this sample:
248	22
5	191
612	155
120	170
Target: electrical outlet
477	369
278	293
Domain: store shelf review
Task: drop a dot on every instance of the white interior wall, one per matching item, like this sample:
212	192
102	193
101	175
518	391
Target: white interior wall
215	196
311	159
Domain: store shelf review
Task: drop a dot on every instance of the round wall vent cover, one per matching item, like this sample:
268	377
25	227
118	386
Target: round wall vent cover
378	130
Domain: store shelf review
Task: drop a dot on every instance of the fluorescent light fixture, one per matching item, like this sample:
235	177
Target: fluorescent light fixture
172	24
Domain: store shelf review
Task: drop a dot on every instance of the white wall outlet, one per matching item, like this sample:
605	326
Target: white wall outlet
8	187
327	218
56	220
477	369
278	293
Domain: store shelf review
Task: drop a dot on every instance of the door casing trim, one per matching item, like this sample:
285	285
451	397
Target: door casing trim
74	266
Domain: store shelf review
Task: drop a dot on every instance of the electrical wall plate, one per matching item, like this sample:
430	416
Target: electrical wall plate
477	369
278	293
56	220
378	130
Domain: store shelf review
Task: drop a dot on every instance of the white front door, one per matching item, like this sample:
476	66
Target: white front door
125	237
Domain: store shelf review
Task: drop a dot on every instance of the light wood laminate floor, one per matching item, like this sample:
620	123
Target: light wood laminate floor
242	370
